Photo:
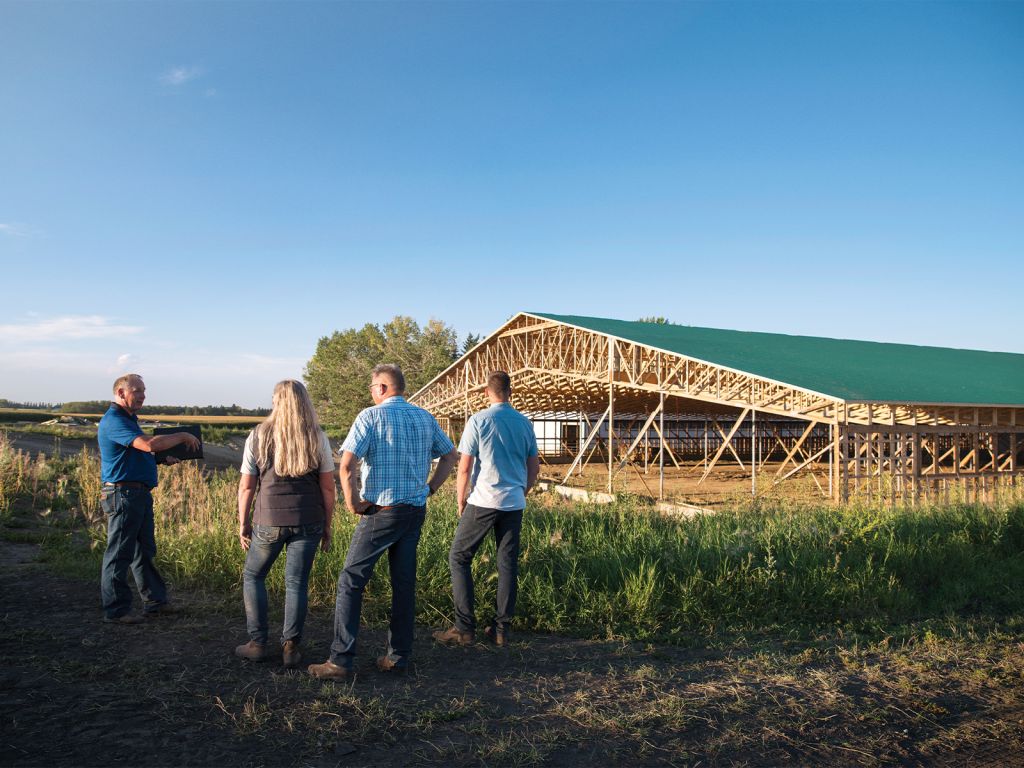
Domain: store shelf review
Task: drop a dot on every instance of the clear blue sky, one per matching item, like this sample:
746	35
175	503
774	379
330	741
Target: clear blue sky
199	191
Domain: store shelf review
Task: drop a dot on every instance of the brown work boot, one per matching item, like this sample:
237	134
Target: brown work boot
384	664
331	671
497	635
128	618
253	651
160	609
455	636
291	655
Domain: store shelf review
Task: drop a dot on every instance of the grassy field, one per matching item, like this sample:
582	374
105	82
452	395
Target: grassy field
29	414
759	636
620	570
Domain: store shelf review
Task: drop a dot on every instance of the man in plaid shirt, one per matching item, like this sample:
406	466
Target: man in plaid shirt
396	442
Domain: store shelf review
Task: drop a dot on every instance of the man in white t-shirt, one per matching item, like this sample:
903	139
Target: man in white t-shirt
499	461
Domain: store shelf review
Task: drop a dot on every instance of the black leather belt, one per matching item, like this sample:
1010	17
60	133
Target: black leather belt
128	484
374	508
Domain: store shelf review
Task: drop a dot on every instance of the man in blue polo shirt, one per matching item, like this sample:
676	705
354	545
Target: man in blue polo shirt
501	443
129	475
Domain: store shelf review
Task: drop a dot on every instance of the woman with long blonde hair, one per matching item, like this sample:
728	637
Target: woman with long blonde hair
288	469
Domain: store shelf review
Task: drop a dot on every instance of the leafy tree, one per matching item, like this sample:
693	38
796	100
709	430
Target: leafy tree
84	406
5	403
654	319
338	374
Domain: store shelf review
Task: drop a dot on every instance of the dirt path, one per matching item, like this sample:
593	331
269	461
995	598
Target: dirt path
214	456
77	692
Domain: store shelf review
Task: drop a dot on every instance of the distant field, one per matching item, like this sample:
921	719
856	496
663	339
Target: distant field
240	421
24	414
29	414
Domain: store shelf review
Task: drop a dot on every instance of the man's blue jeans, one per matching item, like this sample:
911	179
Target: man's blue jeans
473	528
131	543
300	542
397	532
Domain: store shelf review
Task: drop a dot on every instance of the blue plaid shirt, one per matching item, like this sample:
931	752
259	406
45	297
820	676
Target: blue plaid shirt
396	441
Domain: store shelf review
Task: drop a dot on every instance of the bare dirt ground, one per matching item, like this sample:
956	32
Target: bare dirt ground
727	483
77	692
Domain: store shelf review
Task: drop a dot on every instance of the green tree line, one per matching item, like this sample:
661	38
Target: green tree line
338	374
100	406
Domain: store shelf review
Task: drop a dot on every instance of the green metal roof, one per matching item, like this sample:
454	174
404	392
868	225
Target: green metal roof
849	370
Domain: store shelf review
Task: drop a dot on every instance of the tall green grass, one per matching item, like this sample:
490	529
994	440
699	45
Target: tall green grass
623	570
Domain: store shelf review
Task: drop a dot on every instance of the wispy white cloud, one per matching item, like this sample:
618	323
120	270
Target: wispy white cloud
126	361
210	93
66	327
178	76
55	372
13	230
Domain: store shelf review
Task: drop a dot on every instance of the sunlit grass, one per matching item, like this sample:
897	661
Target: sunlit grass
611	571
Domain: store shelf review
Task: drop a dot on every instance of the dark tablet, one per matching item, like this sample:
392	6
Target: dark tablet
181	451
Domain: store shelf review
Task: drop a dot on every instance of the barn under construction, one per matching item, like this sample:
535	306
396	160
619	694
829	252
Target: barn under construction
670	410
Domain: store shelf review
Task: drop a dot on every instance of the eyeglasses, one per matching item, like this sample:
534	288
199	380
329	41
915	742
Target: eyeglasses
382	386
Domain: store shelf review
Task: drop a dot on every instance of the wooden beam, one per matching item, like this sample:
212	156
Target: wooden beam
722	447
661	450
586	444
796	447
668	448
643	431
801	466
612	350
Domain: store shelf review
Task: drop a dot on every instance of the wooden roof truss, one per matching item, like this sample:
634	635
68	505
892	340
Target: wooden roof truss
560	369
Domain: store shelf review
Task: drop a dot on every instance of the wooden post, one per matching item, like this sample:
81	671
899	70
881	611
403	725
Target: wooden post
833	464
705	443
844	436
918	451
661	449
611	411
753	452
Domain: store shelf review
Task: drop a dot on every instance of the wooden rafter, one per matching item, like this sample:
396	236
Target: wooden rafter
566	371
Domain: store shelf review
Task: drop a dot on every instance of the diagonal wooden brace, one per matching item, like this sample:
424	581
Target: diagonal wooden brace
725	444
583	448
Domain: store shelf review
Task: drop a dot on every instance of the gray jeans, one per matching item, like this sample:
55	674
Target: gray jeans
474	525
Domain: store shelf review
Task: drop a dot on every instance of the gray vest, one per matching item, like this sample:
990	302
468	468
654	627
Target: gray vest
288	500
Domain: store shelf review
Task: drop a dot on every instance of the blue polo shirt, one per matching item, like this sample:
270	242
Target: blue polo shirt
120	462
501	439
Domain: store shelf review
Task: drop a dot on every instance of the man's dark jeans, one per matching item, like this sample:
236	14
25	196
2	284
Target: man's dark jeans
266	544
397	532
473	528
130	544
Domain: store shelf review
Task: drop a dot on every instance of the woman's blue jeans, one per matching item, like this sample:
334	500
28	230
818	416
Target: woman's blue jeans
301	542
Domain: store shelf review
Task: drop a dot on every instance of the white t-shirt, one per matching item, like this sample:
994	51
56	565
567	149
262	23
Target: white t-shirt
249	466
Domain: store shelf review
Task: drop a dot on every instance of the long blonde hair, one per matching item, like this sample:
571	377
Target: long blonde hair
290	435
